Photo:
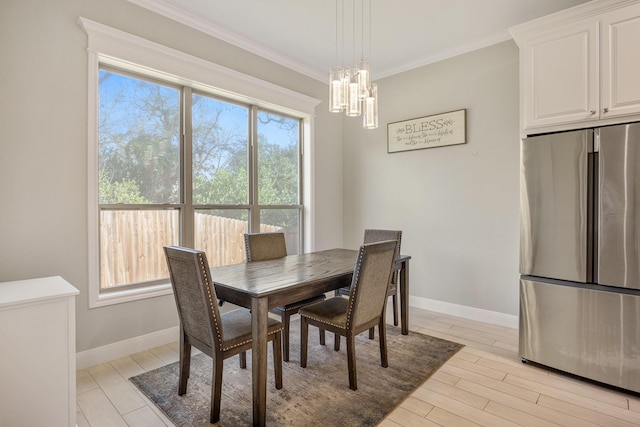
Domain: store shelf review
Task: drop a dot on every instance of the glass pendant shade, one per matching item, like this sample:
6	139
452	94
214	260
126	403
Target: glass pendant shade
354	103
363	78
336	93
370	107
350	87
344	87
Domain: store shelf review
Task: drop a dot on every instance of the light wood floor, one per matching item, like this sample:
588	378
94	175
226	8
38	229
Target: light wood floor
484	384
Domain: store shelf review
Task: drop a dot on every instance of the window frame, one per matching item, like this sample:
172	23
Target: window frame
123	51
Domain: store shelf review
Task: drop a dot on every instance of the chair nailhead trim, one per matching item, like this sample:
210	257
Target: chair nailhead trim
325	322
210	297
248	341
350	309
212	306
355	282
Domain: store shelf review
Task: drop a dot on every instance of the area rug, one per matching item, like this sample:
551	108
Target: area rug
317	395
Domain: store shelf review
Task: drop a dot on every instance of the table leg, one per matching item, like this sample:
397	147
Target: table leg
404	297
259	313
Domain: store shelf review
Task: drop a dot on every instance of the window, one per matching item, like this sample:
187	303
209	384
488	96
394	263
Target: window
138	178
194	94
229	169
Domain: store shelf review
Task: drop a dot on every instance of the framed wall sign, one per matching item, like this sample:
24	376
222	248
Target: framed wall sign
427	132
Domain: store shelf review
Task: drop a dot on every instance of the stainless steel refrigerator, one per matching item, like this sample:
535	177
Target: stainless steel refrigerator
580	253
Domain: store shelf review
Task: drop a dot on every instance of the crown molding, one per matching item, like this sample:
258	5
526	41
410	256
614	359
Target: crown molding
196	22
169	11
496	38
567	16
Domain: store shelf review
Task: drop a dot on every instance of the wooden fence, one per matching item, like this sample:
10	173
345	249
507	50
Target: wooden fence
131	243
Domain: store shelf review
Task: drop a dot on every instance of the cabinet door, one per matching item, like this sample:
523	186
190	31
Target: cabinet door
560	76
620	69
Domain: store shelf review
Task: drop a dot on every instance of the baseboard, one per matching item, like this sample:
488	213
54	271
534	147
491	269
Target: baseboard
472	313
105	353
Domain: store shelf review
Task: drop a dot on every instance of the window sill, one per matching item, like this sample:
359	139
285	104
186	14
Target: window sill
118	297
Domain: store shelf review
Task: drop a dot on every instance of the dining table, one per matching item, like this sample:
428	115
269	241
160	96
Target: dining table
262	285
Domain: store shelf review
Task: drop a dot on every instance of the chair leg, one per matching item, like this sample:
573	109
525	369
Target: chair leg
351	362
336	342
285	317
304	334
216	388
185	364
382	331
372	333
243	360
322	336
277	359
394	299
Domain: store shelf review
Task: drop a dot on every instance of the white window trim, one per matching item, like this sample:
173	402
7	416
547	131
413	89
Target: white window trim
110	46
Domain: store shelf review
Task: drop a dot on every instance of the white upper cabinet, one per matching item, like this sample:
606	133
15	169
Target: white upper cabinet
620	62
580	67
561	76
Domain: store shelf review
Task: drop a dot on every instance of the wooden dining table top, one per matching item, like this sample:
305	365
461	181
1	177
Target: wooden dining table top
320	271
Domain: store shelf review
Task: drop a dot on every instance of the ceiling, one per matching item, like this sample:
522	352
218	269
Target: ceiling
405	34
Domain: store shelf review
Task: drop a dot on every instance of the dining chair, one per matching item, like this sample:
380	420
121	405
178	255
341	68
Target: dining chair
364	309
202	326
373	235
266	246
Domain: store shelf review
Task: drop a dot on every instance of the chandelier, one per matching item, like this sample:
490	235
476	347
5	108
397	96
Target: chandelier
350	88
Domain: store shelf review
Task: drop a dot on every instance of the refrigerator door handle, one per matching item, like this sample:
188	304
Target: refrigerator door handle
592	216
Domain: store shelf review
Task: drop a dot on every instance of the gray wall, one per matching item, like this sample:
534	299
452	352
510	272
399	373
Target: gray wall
457	205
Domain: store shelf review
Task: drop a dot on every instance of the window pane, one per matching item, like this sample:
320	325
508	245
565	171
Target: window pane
220	139
278	140
220	234
286	220
139	160
131	245
142	160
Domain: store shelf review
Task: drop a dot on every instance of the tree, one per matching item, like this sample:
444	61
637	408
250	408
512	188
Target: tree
139	155
278	174
219	152
139	139
125	191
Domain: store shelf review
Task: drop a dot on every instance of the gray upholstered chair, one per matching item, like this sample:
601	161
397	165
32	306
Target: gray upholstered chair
370	236
202	326
265	246
364	309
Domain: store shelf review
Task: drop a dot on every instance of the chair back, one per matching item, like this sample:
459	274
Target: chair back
264	246
370	280
371	236
195	295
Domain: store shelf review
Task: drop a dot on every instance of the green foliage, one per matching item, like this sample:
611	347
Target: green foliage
226	187
285	218
278	175
139	135
125	191
139	155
